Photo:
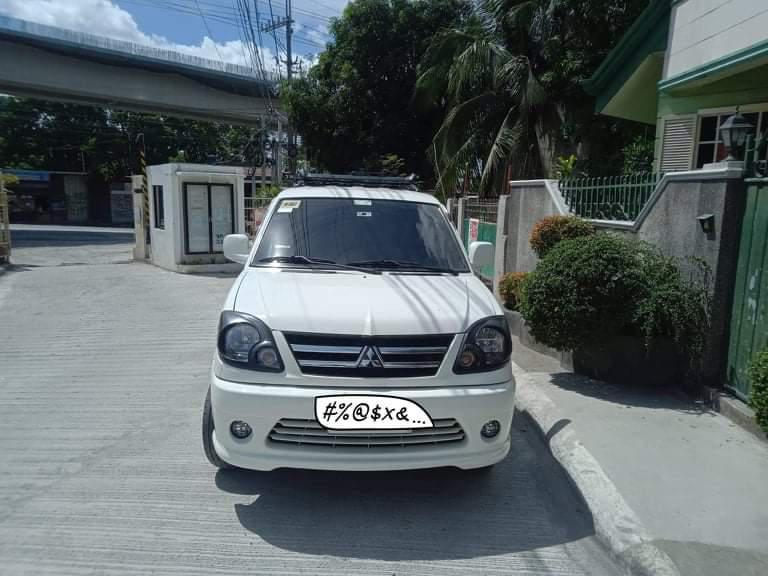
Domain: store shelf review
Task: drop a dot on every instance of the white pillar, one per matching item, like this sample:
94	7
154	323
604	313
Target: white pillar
500	257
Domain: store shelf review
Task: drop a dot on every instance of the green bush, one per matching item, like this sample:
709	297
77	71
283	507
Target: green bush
553	229
510	287
758	375
592	288
638	155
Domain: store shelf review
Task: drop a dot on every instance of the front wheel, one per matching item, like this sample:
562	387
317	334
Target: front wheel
208	447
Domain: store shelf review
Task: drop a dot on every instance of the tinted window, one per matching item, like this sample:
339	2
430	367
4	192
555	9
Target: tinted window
346	231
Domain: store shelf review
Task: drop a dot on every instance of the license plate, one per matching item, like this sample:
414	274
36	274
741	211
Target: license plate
369	412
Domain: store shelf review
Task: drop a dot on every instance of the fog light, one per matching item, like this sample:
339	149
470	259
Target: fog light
240	429
267	356
490	429
467	358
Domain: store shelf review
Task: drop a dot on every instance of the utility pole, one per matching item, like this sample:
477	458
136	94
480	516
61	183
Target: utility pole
289	64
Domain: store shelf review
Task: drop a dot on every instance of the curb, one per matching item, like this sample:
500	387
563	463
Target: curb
617	527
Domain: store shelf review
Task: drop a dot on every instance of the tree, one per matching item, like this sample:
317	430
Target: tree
46	135
511	78
355	107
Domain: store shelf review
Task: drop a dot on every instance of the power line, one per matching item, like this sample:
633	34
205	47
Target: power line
208	28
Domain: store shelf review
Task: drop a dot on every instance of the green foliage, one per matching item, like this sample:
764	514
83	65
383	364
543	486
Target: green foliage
510	289
758	375
512	78
565	166
355	106
41	135
591	288
638	155
671	306
8	180
549	231
270	191
391	165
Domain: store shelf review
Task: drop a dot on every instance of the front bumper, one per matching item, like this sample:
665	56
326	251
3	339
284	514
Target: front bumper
261	406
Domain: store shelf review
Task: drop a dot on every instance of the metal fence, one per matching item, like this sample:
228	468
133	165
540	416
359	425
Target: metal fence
609	198
480	218
255	210
483	210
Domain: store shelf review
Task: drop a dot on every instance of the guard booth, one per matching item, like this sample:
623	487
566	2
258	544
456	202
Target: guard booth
192	207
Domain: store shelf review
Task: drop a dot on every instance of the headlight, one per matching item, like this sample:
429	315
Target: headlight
487	346
246	342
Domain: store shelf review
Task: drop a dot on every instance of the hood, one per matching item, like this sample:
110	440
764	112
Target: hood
364	304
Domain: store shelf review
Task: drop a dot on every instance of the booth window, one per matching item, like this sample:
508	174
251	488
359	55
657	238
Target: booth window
157	198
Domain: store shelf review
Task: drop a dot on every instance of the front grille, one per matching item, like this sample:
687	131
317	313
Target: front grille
309	433
369	357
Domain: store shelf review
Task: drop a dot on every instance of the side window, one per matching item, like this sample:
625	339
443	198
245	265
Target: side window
159	202
708	141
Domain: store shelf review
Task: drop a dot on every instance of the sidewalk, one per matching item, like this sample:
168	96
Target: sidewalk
697	483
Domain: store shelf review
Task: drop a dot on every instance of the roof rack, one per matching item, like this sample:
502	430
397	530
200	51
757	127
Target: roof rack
367	181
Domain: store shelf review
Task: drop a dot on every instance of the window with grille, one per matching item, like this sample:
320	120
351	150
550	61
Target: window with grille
710	147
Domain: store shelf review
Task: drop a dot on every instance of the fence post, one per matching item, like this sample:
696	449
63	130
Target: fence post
449	207
500	256
460	218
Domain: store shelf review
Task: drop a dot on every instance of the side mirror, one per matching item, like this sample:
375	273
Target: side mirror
236	248
481	254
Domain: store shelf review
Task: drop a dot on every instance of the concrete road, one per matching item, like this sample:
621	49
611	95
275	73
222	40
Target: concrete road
103	371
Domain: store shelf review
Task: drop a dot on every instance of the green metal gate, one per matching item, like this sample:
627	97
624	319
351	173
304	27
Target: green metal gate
749	318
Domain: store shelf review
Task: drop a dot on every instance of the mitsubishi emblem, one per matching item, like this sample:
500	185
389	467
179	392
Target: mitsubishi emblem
370	358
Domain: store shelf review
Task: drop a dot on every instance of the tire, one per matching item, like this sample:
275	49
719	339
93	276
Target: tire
208	448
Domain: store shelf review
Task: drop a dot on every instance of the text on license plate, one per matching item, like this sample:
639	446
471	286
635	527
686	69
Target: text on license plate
369	412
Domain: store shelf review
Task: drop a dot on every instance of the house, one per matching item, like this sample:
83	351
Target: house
684	67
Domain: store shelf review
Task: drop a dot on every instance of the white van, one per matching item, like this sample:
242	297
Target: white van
358	338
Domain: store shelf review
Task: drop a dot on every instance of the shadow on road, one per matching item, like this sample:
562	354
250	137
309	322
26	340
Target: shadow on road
645	397
524	504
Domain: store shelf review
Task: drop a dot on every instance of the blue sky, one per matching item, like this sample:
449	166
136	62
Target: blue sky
178	24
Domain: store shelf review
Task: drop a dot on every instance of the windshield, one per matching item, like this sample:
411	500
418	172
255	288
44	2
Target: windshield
378	234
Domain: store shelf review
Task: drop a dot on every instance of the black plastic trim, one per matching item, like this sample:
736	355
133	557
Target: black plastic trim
230	318
498	322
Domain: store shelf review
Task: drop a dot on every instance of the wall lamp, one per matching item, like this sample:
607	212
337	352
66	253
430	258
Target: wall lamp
707	223
734	132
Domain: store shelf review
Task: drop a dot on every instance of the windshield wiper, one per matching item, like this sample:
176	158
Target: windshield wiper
316	262
403	265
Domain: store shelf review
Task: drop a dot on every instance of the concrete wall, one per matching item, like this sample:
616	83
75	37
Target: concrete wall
704	30
669	221
671	224
164	242
37	73
528	202
167	246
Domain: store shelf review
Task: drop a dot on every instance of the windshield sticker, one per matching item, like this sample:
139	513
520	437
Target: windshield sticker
364	214
362	202
289	205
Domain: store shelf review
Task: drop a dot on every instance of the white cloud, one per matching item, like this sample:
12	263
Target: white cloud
104	18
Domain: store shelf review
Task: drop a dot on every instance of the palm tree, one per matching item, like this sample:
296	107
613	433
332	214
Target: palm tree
486	78
510	80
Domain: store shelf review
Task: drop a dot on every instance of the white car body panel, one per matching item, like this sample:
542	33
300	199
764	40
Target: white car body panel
363	304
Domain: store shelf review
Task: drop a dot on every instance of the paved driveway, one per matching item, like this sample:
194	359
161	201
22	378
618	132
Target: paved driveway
102	377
